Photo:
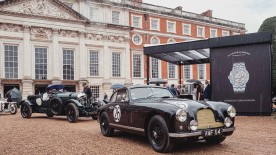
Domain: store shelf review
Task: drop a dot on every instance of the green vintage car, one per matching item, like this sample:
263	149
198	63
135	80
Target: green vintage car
57	102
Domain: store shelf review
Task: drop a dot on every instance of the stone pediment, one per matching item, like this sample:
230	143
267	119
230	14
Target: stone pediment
41	8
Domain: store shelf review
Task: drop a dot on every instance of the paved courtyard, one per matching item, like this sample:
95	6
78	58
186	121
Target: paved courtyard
42	135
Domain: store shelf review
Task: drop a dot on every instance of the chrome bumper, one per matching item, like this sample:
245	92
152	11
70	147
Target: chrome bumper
196	133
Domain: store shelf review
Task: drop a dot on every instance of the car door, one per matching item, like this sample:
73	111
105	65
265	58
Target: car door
118	112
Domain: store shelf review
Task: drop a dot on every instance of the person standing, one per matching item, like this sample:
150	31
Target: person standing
173	90
87	90
207	91
194	92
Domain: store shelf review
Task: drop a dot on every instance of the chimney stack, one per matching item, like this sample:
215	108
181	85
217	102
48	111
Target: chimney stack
207	13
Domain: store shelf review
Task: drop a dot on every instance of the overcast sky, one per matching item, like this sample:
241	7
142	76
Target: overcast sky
250	12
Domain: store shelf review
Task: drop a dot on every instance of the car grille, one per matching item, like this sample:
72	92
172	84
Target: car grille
206	119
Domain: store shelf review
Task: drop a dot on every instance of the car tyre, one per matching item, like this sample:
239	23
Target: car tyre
13	107
72	113
158	134
215	140
26	110
55	105
49	114
105	126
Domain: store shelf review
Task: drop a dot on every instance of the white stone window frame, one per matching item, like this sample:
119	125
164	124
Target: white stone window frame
133	40
189	31
191	72
204	72
75	63
158	24
159	68
112	18
175	71
48	60
203	31
225	32
173	28
120	63
216	33
154	37
142	64
140	21
18	59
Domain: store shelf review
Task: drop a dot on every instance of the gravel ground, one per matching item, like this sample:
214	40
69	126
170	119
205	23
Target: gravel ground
42	135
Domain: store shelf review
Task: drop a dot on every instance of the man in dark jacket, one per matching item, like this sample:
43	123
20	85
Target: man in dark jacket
207	91
173	90
87	90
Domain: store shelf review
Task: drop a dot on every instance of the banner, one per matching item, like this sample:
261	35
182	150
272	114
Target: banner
241	76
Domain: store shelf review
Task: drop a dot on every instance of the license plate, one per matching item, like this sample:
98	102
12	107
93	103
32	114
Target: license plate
212	132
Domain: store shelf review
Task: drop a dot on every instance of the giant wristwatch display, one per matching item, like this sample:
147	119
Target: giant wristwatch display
238	77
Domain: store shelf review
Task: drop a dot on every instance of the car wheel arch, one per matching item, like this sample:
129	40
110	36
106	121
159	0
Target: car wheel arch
150	115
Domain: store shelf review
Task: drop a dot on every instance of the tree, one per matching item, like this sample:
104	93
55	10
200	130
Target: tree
269	25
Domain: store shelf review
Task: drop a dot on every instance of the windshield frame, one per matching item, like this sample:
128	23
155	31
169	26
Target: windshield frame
152	94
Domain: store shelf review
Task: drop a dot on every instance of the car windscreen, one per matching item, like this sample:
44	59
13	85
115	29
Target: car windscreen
146	92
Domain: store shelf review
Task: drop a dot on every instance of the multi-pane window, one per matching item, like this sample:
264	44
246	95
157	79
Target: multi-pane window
40	63
115	17
200	31
213	33
116	64
137	39
170	26
154	24
171	70
95	91
93	13
154	40
201	71
225	33
186	29
187	72
154	68
11	61
136	21
68	64
136	65
94	63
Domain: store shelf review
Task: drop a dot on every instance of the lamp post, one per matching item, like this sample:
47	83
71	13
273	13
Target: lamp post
146	41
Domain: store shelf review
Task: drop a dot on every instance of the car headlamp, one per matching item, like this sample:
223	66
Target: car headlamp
193	125
228	122
181	115
231	111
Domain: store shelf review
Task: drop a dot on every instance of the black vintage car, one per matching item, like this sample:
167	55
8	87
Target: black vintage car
154	112
55	101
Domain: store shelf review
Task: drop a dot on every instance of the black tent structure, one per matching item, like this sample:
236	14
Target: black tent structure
240	67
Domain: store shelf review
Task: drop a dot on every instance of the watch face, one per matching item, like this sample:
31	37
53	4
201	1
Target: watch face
239	77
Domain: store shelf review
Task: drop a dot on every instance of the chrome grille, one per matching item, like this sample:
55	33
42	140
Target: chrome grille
206	119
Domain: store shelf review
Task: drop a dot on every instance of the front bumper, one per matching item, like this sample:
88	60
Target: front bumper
197	133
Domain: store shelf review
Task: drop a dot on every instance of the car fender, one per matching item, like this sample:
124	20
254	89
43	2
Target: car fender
27	101
74	101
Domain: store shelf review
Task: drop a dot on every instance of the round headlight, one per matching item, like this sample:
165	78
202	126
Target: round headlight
181	115
227	122
193	125
231	111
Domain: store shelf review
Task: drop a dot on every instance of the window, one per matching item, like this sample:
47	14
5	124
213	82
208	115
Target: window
136	21
95	91
137	65
225	33
11	61
171	27
40	63
94	63
154	24
137	39
187	72
200	31
154	40
187	29
171	70
171	40
235	33
68	64
115	17
201	71
213	33
154	68
116	64
93	13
